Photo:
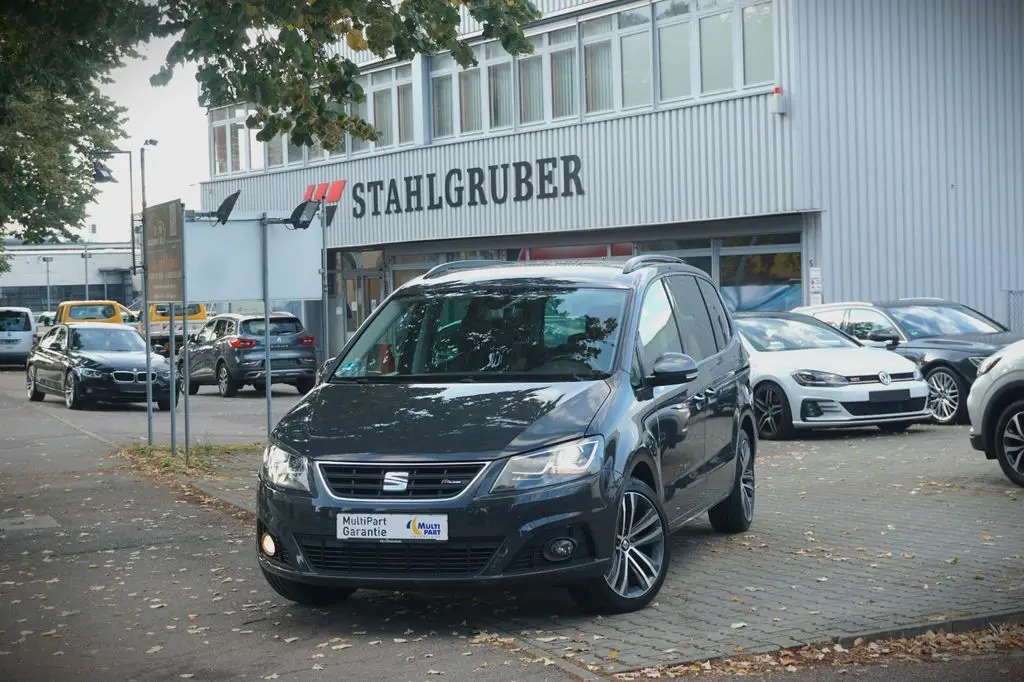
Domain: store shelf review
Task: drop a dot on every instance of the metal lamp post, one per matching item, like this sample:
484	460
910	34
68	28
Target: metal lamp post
47	260
85	258
145	297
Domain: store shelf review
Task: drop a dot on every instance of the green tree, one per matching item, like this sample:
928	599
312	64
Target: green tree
281	56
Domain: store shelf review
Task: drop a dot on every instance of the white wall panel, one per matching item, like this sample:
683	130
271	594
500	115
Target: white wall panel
908	124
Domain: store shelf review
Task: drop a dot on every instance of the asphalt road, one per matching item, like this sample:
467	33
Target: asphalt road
104	576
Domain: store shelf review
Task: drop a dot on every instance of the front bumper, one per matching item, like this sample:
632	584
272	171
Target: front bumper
977	399
105	389
860	405
491	538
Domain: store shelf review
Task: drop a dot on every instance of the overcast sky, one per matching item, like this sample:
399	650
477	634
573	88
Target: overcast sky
176	165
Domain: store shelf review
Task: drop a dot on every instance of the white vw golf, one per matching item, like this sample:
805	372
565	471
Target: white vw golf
807	374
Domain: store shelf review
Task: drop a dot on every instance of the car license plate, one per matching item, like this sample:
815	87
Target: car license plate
400	527
889	396
9	341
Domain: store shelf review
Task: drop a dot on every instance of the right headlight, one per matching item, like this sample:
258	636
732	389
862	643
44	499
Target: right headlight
812	377
285	469
988	363
559	464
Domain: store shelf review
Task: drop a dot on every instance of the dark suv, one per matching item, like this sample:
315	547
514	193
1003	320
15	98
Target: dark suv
229	353
548	422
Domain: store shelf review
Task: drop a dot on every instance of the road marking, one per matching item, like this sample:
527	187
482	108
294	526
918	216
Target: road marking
75	426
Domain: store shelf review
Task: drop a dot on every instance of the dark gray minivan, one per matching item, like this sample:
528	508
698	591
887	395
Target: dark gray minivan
507	422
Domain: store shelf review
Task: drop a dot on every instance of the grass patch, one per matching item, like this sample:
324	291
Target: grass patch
203	458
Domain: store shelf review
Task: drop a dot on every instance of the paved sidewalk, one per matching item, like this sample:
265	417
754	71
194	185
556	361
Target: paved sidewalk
854	533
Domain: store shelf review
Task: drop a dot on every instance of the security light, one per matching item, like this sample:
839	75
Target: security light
303	214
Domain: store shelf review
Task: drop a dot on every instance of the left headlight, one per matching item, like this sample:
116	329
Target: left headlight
812	377
917	374
559	464
284	469
90	372
987	364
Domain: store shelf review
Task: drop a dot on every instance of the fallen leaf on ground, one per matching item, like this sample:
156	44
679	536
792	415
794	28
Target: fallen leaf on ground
737	626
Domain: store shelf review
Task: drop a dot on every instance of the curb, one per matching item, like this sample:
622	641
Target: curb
952	625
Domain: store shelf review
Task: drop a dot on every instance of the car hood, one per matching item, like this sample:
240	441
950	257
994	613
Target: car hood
974	344
843	361
458	421
119	360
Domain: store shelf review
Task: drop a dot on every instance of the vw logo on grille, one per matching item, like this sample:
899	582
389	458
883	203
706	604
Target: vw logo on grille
396	481
884	378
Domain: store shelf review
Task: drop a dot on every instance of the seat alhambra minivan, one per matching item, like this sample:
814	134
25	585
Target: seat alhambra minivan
516	423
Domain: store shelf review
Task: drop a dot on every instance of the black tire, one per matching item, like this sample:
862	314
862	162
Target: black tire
34	394
735	513
164	404
895	427
193	387
72	395
304	386
947	396
597	594
226	386
1008	436
307	595
779	424
259	387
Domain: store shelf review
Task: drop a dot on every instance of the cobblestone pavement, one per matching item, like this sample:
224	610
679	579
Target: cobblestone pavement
855	532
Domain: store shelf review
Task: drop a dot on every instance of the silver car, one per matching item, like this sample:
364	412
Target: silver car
996	408
229	353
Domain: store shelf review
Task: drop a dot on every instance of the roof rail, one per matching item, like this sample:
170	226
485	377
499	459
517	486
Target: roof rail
445	268
637	262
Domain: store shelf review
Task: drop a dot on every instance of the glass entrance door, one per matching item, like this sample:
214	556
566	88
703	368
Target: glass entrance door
363	293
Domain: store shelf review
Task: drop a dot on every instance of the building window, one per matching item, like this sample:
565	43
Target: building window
564	73
716	73
635	57
501	94
229	140
442	96
296	153
531	84
471	119
275	151
674	40
361	110
758	42
598	72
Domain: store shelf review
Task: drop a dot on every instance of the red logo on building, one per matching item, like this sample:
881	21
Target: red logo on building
329	193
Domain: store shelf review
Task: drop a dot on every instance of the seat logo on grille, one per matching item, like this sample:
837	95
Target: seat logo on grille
396	481
884	378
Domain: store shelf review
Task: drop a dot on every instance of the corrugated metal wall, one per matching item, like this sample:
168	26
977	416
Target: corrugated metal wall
908	124
727	159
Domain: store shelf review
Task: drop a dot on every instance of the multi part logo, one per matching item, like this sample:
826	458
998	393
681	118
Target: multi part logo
423	528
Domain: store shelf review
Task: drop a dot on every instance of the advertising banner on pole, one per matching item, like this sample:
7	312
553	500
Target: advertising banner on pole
164	251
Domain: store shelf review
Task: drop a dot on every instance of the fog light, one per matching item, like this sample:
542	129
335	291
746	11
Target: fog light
559	549
267	545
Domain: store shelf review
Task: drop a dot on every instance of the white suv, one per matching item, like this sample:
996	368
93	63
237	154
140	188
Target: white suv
17	335
996	409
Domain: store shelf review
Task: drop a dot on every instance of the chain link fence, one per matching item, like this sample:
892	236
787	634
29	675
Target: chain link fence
1015	309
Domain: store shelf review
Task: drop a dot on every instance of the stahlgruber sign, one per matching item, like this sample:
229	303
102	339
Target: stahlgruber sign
163	252
548	178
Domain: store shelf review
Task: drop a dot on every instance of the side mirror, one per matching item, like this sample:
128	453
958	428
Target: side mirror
322	370
192	338
54	345
882	336
673	369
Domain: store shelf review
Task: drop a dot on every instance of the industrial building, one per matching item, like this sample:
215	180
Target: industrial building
799	151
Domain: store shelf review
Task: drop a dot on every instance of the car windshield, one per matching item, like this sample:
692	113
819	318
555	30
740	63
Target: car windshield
770	334
488	334
278	326
15	321
107	340
918	321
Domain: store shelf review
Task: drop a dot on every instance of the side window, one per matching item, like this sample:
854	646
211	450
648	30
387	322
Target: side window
832	317
694	321
225	328
61	337
716	309
636	372
209	332
657	331
863	321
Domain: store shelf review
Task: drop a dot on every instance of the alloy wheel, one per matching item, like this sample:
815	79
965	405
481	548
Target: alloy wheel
222	379
1013	442
770	410
30	383
69	390
639	555
747	479
943	396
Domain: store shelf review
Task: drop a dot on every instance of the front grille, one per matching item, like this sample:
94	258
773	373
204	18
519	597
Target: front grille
873	378
461	558
867	409
425	481
127	377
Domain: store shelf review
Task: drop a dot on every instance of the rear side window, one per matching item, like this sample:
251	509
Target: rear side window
15	321
716	309
831	317
163	310
657	330
694	321
92	312
278	326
